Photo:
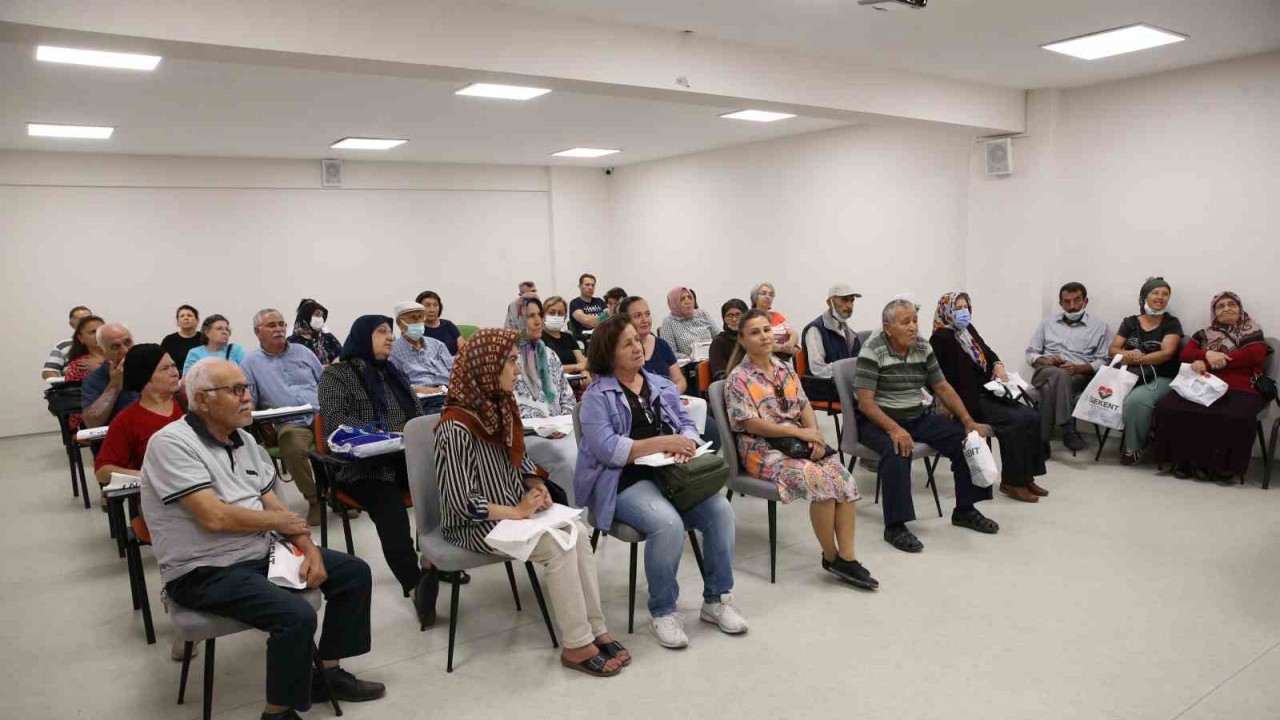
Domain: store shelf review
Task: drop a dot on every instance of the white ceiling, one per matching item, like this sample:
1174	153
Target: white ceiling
221	109
996	42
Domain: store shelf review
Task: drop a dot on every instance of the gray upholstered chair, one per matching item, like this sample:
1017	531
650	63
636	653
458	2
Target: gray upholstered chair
740	482
1272	368
435	551
193	626
843	372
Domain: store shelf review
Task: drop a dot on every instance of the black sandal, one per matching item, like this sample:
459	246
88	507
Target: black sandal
902	539
974	520
593	666
614	649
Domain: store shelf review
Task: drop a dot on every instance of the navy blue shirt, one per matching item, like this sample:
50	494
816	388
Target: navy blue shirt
97	381
593	308
447	333
663	358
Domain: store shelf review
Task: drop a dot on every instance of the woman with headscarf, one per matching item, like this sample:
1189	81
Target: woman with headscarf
969	364
486	477
687	324
542	391
1147	344
361	390
310	331
148	370
722	345
1216	442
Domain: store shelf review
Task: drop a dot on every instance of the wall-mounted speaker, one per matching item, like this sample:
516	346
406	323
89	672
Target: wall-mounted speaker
331	173
999	157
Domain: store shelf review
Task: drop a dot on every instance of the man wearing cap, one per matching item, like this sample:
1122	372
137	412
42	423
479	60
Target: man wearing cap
828	339
285	374
424	360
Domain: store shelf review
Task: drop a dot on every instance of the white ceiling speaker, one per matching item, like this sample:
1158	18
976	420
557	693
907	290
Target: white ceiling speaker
331	173
999	157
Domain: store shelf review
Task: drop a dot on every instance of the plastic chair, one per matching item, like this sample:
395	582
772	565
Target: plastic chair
444	556
831	407
468	330
742	483
1272	369
704	378
325	469
843	373
138	535
194	626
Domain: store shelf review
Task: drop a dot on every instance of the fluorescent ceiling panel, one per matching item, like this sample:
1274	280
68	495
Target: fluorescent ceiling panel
90	132
353	143
757	115
502	92
585	152
1115	42
97	58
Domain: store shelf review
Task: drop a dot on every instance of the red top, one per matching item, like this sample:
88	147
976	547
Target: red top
128	434
1242	364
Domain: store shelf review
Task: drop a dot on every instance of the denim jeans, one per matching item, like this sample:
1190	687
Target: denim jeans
643	507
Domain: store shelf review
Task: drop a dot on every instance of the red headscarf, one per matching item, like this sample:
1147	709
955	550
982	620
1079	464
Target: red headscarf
477	400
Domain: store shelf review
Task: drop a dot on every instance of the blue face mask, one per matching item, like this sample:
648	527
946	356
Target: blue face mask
962	318
415	331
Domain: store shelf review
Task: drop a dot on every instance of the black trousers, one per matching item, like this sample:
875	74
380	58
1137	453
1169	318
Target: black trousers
942	434
1017	427
384	503
242	592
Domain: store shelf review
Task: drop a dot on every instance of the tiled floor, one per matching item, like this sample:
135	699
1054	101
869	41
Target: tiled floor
1126	595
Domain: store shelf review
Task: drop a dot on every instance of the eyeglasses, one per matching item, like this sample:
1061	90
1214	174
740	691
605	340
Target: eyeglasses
236	390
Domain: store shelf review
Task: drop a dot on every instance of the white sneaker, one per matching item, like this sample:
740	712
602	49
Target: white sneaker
669	630
725	614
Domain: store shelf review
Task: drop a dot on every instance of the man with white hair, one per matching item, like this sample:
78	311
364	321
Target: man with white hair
208	495
285	374
102	394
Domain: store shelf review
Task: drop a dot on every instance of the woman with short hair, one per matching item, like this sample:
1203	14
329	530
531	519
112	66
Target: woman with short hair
188	336
786	341
437	327
217	333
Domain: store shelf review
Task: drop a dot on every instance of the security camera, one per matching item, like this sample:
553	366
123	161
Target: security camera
608	171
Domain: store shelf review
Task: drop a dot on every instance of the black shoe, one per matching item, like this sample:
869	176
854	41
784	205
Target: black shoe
461	577
345	687
974	520
424	599
852	572
901	538
1073	441
288	714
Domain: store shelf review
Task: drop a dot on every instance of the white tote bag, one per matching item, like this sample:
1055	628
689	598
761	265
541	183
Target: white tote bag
982	464
1201	388
517	538
1102	403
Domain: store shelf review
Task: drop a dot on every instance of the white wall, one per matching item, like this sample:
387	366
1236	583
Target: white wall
882	208
134	237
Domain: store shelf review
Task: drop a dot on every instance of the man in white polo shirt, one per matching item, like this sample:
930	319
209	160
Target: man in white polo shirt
207	493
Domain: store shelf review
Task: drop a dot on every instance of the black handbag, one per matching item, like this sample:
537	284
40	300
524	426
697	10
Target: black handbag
796	448
685	485
64	398
1266	387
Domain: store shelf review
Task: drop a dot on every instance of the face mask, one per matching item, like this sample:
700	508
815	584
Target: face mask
415	331
554	322
839	315
1157	313
317	322
962	319
1073	316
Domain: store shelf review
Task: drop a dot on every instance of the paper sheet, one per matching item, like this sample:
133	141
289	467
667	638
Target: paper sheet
282	412
122	483
96	433
663	459
546	427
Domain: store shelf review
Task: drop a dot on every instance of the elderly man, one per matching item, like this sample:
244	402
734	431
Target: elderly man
515	311
1066	350
425	361
828	339
56	364
894	368
285	374
102	394
207	493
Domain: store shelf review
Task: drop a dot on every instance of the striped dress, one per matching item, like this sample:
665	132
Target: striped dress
473	474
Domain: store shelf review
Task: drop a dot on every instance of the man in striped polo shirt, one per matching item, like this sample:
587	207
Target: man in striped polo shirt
894	368
56	364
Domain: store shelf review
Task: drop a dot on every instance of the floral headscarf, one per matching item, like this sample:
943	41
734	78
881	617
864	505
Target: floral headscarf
945	317
476	398
1227	338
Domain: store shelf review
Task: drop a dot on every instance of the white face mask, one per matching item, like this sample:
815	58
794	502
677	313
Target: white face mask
317	322
839	315
1155	313
1073	316
554	322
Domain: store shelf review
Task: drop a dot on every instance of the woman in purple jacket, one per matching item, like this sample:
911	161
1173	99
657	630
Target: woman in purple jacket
628	413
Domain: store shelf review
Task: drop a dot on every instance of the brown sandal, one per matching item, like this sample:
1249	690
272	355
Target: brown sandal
593	666
614	649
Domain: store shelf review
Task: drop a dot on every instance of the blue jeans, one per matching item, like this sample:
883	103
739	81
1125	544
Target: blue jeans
643	507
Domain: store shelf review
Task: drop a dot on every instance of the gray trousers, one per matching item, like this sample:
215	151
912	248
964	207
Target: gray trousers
1059	390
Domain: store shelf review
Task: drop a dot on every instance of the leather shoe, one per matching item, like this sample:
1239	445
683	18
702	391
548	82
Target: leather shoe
1036	489
1020	494
345	687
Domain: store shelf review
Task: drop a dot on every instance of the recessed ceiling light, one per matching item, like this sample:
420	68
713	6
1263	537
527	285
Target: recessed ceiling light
585	152
353	143
1115	42
757	115
502	92
92	132
99	58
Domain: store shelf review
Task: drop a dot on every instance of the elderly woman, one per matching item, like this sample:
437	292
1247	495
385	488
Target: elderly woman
722	345
310	331
969	364
767	407
1216	442
687	324
437	327
217	333
365	388
188	336
1148	346
786	341
485	477
628	413
84	357
542	391
555	334
150	371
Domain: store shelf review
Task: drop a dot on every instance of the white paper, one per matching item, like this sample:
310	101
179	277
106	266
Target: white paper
517	538
701	350
121	483
548	426
445	391
574	376
285	565
282	412
663	459
55	380
1015	388
95	433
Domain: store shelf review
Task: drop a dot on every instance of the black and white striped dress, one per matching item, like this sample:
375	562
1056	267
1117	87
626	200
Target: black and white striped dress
473	474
